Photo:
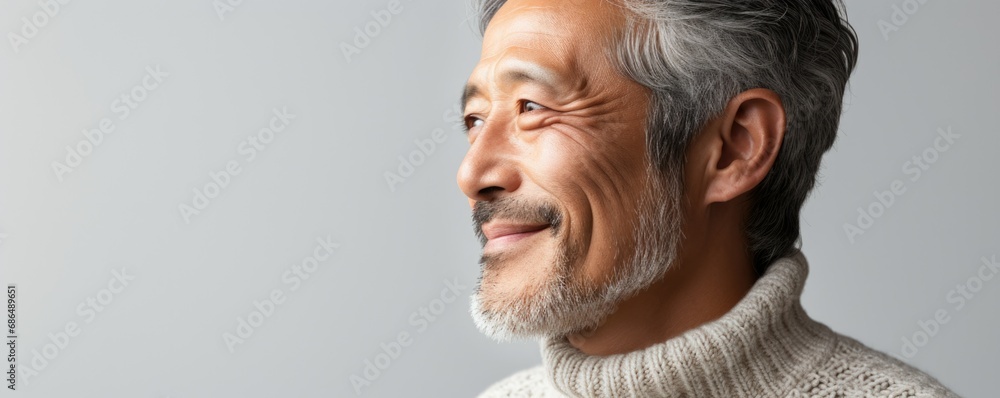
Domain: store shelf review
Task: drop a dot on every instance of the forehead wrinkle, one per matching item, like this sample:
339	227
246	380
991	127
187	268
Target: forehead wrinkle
516	9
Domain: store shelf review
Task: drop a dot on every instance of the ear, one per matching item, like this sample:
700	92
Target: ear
745	143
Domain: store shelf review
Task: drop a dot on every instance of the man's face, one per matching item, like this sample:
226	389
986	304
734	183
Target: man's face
557	173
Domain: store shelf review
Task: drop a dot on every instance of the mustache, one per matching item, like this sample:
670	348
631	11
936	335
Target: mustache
517	210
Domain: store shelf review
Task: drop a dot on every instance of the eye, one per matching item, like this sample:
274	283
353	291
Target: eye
472	122
529	106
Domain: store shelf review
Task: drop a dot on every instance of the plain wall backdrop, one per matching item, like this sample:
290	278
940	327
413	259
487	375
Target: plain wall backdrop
202	79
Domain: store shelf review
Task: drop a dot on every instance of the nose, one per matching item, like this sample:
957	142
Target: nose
490	168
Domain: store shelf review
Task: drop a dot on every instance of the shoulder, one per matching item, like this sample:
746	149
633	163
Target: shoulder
855	369
526	383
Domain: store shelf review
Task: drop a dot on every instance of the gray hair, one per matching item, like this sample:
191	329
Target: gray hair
696	55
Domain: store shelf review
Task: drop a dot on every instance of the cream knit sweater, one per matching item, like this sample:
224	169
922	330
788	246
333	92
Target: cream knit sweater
766	346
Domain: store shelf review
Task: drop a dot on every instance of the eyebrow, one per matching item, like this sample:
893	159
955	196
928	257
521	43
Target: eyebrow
520	73
471	90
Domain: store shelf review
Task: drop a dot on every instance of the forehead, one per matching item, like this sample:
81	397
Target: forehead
564	36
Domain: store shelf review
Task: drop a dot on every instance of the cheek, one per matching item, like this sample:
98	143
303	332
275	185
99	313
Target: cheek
597	182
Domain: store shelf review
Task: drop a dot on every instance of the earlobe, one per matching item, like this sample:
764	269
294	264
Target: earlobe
751	131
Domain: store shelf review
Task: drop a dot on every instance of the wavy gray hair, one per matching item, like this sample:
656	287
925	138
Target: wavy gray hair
695	55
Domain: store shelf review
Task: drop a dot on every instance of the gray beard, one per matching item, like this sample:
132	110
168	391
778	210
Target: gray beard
563	303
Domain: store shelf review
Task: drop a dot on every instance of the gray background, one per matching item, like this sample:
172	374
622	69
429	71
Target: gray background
323	176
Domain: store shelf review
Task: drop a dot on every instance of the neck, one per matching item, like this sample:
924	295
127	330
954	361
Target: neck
759	348
703	286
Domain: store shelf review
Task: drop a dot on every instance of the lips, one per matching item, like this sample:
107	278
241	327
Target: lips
502	234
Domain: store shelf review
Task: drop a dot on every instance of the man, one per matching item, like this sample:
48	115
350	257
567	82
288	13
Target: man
636	170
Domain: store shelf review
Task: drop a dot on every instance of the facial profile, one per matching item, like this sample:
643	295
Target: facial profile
636	170
572	216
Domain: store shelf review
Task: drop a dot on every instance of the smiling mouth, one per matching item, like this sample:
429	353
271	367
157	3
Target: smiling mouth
502	236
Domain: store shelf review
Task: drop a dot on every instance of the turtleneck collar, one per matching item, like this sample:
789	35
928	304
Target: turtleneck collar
761	347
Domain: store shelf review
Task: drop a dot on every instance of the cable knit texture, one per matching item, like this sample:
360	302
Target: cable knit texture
766	346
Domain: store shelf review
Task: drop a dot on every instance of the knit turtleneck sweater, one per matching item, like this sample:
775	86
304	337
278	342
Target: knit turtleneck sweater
765	346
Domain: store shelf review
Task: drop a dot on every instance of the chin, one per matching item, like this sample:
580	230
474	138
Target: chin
528	297
506	299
